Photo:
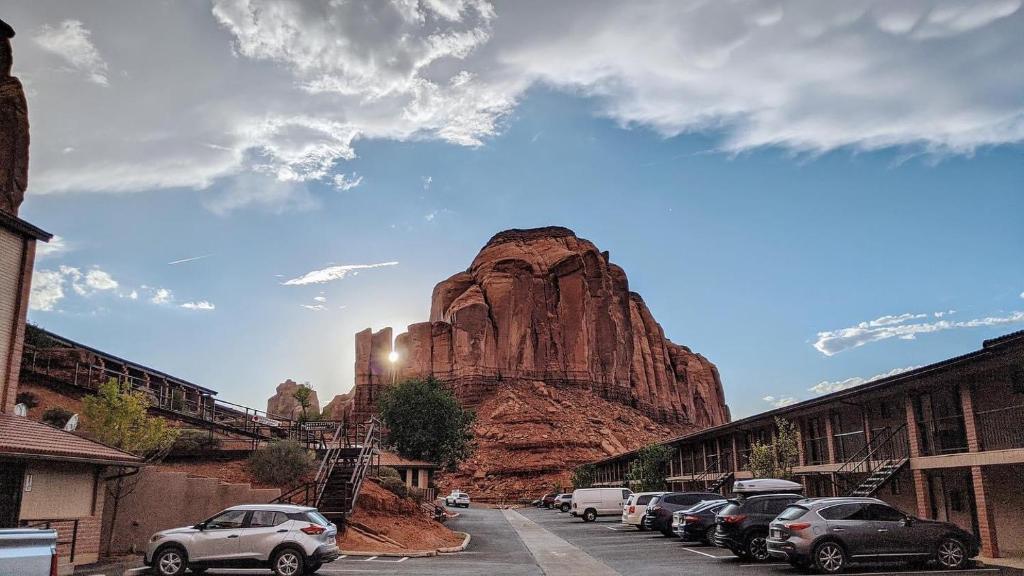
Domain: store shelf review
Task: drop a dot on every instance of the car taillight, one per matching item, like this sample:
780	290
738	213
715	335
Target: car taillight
313	530
632	509
797	526
689	518
53	564
734	518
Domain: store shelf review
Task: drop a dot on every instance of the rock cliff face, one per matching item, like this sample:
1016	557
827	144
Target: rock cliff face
340	407
283	402
543	305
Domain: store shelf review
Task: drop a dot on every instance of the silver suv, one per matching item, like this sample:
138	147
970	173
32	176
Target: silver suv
829	533
290	540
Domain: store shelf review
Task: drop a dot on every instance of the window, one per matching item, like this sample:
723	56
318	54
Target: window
775	506
882	513
266	519
643	500
730	509
625	494
842	512
227	520
792	513
317	518
754	507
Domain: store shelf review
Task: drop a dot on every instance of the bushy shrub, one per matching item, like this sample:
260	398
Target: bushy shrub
28	399
280	463
57	416
388	472
190	440
395	486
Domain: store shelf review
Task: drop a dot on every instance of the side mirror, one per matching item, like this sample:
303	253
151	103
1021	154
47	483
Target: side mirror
201	526
908	521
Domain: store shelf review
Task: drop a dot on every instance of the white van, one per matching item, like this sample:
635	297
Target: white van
593	502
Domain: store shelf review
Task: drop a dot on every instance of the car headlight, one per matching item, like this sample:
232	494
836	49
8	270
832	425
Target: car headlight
156	537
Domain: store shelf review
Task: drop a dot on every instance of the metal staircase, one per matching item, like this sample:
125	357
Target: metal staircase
721	481
713	477
876	463
348	458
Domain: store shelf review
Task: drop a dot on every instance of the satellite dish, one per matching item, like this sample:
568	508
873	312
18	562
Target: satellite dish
20	410
72	423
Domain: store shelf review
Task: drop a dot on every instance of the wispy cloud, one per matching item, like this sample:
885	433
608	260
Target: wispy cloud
828	386
315	307
779	402
333	273
344	182
47	290
903	326
55	247
70	40
192	259
199	305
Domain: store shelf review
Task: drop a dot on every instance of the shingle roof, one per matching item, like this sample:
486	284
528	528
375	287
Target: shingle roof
392	459
21	437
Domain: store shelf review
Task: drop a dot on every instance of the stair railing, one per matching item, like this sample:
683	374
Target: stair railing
362	464
330	460
890	445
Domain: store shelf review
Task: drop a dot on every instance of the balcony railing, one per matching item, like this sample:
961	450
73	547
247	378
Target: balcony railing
848	444
944	435
816	451
1001	429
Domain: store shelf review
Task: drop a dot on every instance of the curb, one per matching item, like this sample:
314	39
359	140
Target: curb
416	553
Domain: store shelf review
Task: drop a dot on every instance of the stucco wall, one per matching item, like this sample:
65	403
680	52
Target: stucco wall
163	500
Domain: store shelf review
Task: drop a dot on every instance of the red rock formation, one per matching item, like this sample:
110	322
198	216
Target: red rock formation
284	404
339	407
544	305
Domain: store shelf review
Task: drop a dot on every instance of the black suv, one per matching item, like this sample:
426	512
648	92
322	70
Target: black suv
660	508
742	526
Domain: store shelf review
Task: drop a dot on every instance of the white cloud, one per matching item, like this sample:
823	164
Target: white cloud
832	342
779	402
343	182
161	296
199	305
826	386
284	90
70	41
332	273
47	290
55	247
315	307
1022	294
192	259
320	299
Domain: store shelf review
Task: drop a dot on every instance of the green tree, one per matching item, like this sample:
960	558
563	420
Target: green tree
647	471
777	458
301	395
425	421
118	416
584	476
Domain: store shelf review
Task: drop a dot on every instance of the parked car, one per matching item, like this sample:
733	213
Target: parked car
830	533
563	502
28	552
742	525
290	540
548	501
695	523
457	499
589	503
635	507
659	511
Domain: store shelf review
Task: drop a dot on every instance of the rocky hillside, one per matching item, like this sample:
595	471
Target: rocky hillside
543	305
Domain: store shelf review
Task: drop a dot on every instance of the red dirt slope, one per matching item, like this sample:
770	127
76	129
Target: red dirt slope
398	519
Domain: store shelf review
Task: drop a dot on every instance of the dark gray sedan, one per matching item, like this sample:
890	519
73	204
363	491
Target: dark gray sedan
830	533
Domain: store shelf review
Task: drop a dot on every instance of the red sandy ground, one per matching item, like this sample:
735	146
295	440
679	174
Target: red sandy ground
232	471
399	519
529	437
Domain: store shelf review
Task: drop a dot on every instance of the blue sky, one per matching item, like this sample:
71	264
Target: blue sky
876	233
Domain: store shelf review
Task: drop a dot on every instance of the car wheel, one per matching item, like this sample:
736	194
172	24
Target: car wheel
312	568
951	554
739	553
287	562
757	547
589	516
641	527
171	561
565	508
829	557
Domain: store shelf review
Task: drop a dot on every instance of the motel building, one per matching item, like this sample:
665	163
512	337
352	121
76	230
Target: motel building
945	441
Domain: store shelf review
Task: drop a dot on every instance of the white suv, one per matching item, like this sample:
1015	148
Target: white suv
457	499
290	540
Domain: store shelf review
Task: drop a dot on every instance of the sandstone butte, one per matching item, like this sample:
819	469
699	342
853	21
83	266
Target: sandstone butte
544	338
284	404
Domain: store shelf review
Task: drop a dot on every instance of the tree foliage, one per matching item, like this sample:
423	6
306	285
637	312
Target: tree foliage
425	421
777	458
280	463
584	476
117	416
301	395
647	471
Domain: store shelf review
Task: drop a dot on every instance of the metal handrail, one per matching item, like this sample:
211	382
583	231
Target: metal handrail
362	464
855	463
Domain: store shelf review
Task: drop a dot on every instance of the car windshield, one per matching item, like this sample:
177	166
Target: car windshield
731	508
317	518
792	513
654	500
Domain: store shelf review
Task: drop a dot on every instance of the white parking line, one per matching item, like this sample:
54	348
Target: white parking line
404	558
701	553
370	558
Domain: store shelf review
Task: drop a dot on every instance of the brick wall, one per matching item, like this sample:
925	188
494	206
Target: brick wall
12	259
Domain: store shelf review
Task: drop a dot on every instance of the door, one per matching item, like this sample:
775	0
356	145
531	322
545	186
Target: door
266	529
850	523
12	477
896	536
219	538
